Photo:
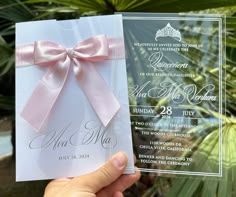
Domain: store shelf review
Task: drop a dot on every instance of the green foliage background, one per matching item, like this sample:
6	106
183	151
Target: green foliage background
12	11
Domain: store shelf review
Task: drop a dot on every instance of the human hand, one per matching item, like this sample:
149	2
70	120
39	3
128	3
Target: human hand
107	181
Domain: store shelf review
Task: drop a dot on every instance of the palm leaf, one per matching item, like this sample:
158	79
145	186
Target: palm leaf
111	6
15	11
217	186
84	6
168	5
7	103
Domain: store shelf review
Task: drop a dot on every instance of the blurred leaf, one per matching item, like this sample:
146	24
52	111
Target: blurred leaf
7	57
15	11
231	42
84	6
209	188
111	6
7	106
7	65
169	5
213	186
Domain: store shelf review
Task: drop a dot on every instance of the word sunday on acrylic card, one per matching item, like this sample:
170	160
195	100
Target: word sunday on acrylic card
174	67
72	109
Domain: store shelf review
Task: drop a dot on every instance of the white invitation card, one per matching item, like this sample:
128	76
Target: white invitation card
72	110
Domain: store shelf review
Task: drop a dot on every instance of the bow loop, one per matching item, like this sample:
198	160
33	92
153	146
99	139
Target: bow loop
46	52
93	49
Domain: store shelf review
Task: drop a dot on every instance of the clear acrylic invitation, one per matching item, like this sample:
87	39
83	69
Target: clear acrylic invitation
174	70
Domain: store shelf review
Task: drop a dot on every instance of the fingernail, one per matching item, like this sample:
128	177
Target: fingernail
119	160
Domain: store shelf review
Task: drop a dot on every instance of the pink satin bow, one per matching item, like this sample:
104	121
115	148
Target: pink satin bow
58	60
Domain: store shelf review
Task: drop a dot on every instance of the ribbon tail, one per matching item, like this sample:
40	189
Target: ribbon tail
39	105
98	93
45	94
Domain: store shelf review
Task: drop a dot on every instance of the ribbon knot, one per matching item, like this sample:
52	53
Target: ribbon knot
70	52
58	60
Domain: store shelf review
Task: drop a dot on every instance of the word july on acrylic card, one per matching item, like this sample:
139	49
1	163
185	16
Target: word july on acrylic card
71	97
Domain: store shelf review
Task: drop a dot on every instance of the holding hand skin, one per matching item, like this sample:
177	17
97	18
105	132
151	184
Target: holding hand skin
107	181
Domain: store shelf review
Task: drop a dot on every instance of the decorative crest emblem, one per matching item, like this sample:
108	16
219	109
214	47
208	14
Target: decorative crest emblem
168	31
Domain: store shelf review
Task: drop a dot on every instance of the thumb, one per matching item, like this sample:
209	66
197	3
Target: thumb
105	175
